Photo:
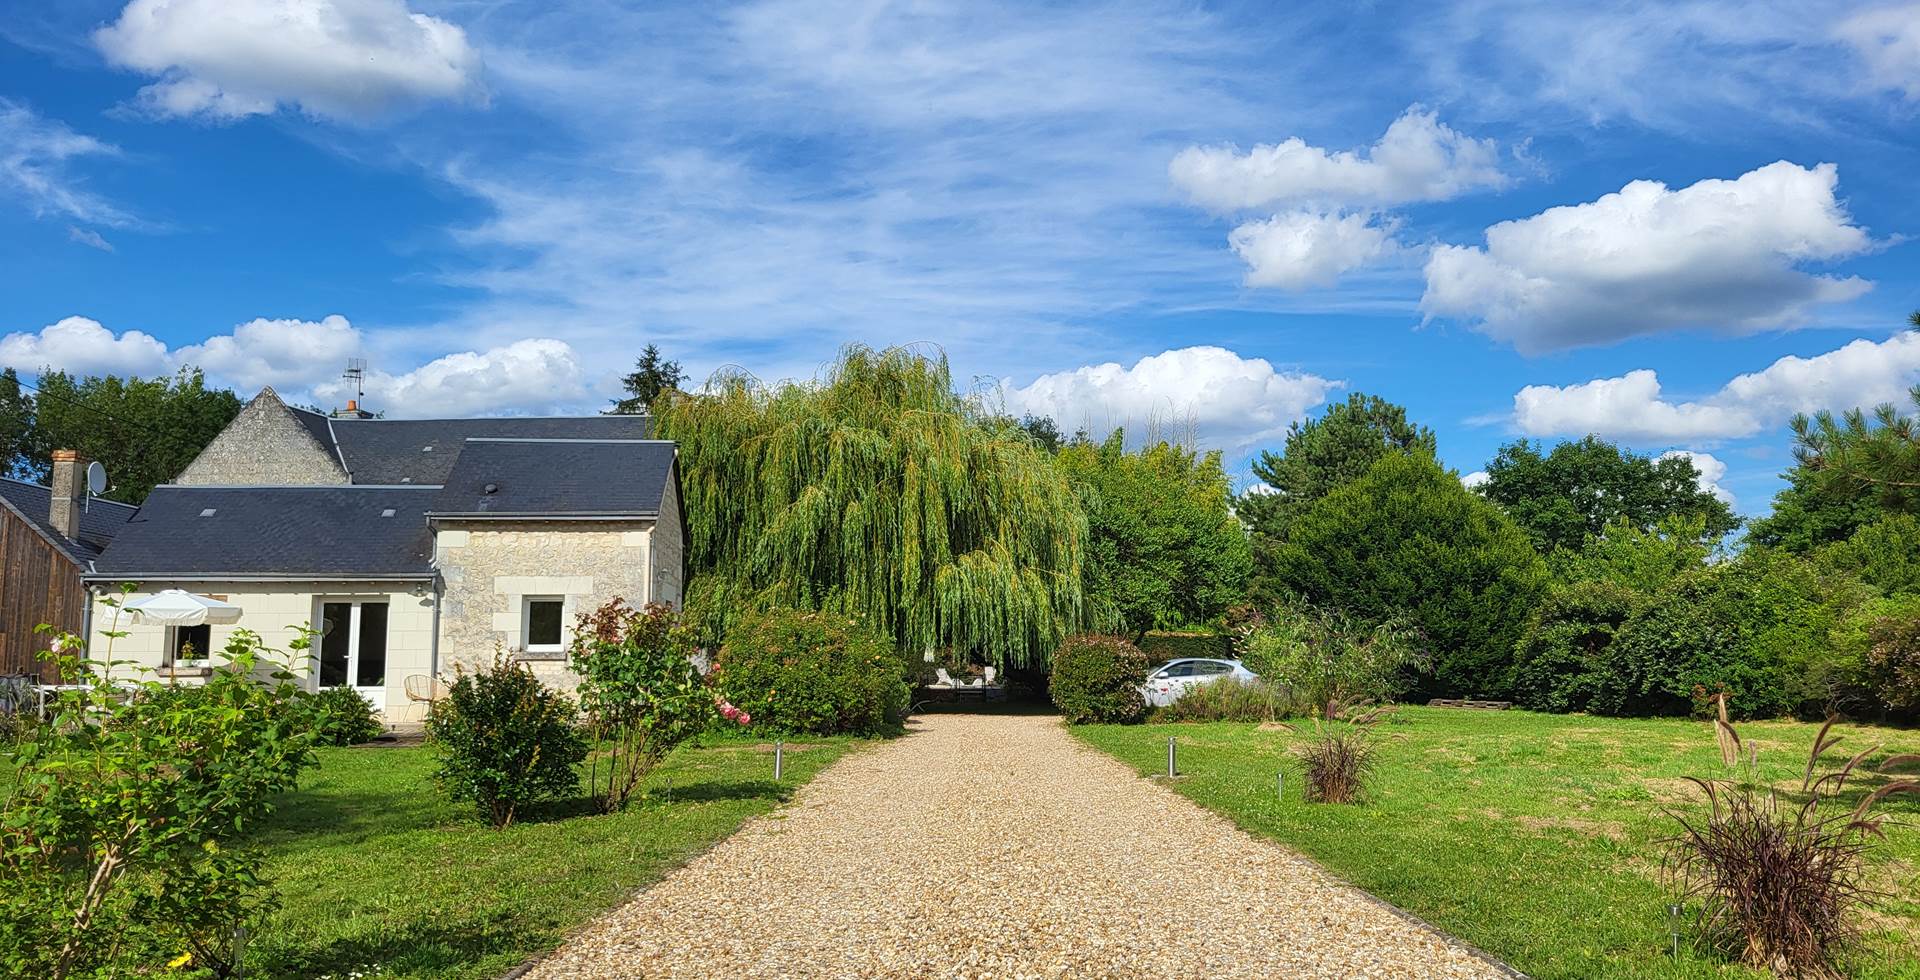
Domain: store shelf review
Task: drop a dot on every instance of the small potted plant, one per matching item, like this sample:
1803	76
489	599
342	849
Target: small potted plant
189	658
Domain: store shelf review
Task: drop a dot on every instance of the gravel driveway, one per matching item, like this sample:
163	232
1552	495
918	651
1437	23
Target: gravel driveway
998	846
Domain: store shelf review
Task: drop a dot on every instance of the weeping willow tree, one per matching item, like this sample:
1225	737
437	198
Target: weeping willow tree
877	492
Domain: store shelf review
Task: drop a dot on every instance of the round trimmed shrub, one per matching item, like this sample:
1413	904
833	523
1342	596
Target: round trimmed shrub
815	673
342	717
1097	678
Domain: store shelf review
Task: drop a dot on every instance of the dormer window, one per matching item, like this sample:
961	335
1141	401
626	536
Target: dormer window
208	512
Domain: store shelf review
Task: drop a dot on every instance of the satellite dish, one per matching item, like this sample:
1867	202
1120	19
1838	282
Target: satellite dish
96	479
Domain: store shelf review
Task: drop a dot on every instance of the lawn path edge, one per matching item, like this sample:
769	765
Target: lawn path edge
1498	963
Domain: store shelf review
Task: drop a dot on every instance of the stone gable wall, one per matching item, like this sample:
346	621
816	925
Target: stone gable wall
265	445
669	549
489	568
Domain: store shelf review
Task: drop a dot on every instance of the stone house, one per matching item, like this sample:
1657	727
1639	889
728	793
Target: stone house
412	546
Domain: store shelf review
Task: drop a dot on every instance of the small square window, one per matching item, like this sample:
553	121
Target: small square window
541	624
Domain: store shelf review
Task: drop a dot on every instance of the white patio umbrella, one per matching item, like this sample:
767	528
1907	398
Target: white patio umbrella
177	607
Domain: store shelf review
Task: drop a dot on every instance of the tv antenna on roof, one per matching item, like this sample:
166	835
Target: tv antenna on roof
357	373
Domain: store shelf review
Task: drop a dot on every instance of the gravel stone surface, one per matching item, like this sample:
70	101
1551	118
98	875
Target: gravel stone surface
999	846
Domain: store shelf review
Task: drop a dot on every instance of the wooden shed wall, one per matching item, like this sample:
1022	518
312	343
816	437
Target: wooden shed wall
38	584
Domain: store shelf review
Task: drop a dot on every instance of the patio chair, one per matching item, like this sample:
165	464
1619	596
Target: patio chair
423	691
991	673
944	681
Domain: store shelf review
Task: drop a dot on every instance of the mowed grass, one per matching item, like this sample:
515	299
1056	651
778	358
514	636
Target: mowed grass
1532	836
379	874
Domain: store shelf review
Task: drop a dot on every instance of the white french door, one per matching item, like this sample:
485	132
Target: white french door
352	651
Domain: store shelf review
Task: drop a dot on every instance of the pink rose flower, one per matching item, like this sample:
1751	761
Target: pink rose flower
744	718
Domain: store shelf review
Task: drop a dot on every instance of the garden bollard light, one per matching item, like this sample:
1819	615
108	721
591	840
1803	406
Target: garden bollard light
778	747
1172	769
240	952
1280	785
1673	927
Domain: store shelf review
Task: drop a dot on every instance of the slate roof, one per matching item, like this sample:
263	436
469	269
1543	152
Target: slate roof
496	477
272	532
99	522
422	451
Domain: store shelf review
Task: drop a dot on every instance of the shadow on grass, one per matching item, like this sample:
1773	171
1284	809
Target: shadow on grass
401	949
660	796
335	814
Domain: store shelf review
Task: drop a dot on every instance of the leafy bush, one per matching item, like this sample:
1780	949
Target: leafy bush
1408	541
1893	662
1758	628
1779	879
504	740
342	717
1318	657
1884	554
641	693
813	672
121	829
1562	659
1097	678
1227	700
1336	762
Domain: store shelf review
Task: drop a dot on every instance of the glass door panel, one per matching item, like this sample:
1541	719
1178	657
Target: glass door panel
336	642
371	669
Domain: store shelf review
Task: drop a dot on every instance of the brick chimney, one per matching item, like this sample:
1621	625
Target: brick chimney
69	491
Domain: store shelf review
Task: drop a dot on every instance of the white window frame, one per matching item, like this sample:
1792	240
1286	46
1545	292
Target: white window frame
526	626
167	658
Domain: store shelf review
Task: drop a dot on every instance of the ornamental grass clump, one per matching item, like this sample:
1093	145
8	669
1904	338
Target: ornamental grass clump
1337	761
1226	700
1780	877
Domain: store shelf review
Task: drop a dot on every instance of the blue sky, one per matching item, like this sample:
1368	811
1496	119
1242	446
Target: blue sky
1672	225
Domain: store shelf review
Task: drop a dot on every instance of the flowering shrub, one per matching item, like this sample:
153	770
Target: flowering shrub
505	740
121	827
641	692
814	672
1097	678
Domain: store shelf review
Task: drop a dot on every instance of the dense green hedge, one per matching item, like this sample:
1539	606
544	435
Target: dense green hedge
813	672
1097	678
1162	647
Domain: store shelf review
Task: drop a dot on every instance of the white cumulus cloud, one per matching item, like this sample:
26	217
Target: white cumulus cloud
1475	480
1711	472
1861	374
340	59
1309	249
1418	159
82	346
281	353
1221	399
1888	42
1724	254
533	375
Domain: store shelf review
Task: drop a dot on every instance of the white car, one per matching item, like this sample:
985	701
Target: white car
1164	686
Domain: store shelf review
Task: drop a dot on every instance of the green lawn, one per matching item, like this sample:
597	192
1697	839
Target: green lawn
376	869
1532	836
